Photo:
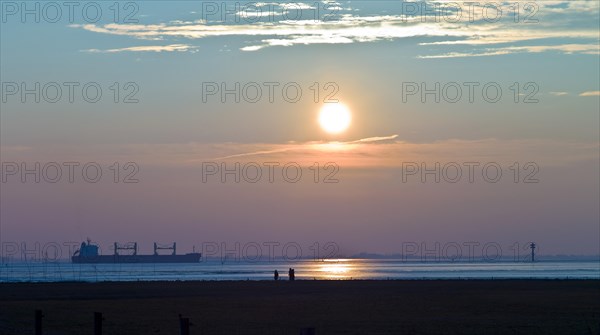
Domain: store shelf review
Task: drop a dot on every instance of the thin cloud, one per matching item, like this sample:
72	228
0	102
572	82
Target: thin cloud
263	152
590	94
147	48
302	146
374	139
565	48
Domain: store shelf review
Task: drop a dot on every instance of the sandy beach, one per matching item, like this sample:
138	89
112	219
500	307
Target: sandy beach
331	307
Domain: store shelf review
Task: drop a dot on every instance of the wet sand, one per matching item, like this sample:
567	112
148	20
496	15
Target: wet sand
332	307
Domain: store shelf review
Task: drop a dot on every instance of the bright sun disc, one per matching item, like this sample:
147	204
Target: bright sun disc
334	118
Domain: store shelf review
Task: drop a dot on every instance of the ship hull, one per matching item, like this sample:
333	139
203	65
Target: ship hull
187	258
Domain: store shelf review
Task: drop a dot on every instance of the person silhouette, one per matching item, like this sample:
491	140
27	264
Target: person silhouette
292	274
276	275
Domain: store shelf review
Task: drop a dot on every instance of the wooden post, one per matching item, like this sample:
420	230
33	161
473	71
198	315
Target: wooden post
308	331
98	323
38	321
184	326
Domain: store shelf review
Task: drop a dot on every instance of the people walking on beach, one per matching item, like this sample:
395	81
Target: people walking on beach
291	274
276	275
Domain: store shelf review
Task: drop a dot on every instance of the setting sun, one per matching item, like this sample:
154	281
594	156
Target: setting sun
334	118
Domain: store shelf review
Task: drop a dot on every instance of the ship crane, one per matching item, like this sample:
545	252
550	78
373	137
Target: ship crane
128	246
165	247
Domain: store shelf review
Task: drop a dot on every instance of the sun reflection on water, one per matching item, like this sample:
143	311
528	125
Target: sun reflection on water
335	269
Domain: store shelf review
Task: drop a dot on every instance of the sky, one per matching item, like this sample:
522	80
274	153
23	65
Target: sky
173	101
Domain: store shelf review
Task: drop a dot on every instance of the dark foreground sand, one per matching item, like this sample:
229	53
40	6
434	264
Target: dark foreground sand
332	307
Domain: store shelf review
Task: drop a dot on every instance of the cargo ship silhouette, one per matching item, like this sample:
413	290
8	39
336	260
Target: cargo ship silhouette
89	253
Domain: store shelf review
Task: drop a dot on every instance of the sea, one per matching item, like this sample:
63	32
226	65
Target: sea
308	269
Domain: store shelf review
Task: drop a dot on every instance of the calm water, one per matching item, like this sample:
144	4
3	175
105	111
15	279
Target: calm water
308	269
